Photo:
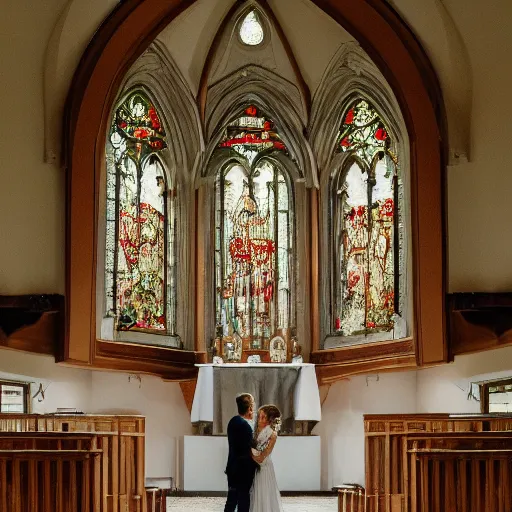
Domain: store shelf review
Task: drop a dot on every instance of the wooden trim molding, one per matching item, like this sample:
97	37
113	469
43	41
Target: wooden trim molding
479	321
340	363
330	373
367	352
32	323
122	38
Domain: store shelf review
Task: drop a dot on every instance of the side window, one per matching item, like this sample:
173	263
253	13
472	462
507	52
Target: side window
364	227
14	397
140	259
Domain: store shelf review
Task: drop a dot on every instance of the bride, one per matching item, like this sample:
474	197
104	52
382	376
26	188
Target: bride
265	496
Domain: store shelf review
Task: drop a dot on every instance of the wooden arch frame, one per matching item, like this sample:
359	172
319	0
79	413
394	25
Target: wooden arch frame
122	38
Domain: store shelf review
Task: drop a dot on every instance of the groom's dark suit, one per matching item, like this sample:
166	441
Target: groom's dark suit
241	467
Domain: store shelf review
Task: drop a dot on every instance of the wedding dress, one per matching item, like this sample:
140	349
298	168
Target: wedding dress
265	496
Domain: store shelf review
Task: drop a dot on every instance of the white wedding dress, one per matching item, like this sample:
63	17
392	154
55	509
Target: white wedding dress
265	496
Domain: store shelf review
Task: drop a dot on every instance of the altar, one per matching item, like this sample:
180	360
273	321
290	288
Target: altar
297	463
292	387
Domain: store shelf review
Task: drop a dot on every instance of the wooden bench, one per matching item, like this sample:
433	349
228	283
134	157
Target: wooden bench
72	463
438	463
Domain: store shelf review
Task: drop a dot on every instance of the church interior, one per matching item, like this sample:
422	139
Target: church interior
298	199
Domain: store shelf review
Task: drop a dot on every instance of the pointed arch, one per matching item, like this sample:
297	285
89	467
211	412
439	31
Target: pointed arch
157	75
246	144
350	78
229	25
123	38
139	248
275	96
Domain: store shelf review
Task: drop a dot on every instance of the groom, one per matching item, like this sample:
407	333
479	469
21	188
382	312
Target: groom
241	467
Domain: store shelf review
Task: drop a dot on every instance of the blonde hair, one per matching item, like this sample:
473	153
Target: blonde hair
273	415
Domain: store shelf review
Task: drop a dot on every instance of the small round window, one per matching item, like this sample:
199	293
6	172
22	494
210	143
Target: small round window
251	30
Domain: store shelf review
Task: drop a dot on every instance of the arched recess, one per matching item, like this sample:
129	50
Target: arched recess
267	78
223	41
284	162
278	98
156	71
350	76
388	42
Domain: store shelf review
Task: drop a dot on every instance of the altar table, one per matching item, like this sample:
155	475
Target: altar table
306	397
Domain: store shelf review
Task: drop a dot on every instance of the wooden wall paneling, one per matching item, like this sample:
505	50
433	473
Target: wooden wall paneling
3	485
58	487
47	490
139	466
73	487
330	373
123	501
335	364
115	475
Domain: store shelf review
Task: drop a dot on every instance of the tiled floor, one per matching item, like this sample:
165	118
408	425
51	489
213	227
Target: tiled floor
295	504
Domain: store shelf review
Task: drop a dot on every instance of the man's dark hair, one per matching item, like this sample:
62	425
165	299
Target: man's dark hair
244	403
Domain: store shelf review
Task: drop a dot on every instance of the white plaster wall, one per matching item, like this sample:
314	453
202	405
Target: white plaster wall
65	387
32	193
167	417
341	428
445	388
480	249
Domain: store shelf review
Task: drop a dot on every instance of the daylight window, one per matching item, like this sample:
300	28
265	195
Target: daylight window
251	30
140	245
364	212
496	397
13	397
254	250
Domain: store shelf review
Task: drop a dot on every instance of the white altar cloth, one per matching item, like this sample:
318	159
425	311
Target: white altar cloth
306	395
297	462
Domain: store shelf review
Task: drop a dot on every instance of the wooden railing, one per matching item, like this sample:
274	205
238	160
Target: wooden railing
438	463
72	463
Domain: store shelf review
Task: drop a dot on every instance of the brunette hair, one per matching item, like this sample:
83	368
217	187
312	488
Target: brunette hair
244	403
273	415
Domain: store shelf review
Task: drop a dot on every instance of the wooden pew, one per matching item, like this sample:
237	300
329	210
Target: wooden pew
72	463
438	463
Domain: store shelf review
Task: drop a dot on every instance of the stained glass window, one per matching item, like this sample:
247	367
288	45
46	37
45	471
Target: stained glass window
252	134
254	238
364	212
251	30
140	225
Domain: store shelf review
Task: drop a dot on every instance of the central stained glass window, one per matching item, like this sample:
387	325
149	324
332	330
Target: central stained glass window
254	236
363	224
